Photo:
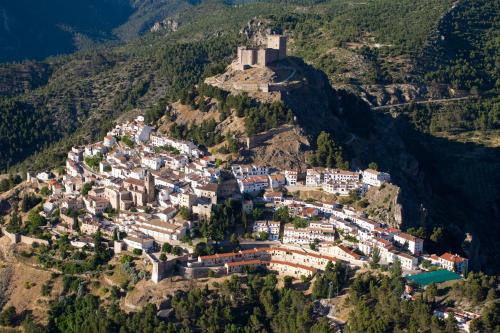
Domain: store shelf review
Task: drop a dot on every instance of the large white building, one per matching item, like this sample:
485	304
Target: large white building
291	177
321	231
253	184
415	244
184	147
375	178
452	262
314	177
242	171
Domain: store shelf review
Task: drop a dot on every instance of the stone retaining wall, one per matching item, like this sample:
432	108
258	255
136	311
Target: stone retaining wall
18	238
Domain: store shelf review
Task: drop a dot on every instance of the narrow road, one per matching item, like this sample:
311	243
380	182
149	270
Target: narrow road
432	101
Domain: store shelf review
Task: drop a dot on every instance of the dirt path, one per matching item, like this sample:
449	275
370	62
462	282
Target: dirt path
432	101
19	187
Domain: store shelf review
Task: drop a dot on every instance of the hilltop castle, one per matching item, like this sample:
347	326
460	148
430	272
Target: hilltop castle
262	57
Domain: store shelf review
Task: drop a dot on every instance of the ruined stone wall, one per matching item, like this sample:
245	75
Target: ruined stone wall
18	238
31	240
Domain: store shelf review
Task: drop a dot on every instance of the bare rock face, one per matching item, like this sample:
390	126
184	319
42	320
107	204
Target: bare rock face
393	93
384	204
284	147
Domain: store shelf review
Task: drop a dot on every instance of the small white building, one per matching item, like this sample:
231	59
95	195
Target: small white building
141	242
152	162
415	244
109	141
44	176
291	177
253	184
271	227
314	177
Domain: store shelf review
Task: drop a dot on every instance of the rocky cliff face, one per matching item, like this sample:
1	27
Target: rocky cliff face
388	149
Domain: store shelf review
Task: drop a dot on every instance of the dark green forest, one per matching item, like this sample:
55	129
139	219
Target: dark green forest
35	30
465	53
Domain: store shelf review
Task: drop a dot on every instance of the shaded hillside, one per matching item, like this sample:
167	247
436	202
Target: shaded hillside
16	79
464	195
146	13
35	30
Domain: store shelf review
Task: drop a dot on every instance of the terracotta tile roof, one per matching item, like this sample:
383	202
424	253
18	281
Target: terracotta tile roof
134	181
452	257
209	187
408	237
255	179
220	255
286	263
246	263
349	251
405	255
272	194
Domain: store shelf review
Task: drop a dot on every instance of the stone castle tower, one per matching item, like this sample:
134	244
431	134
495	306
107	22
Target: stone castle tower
277	42
262	57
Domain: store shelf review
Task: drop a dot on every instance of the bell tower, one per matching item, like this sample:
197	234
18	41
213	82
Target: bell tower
149	181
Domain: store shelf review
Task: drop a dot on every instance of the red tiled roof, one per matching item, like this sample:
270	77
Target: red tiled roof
349	251
272	194
452	257
220	255
408	237
246	262
286	263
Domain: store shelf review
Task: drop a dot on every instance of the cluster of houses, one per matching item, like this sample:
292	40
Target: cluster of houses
254	179
136	180
351	235
342	182
462	318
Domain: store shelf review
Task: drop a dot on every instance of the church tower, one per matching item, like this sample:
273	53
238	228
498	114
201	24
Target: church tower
149	181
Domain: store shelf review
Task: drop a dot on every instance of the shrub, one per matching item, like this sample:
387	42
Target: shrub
8	316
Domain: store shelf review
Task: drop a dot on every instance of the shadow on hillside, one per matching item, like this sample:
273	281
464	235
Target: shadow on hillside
454	185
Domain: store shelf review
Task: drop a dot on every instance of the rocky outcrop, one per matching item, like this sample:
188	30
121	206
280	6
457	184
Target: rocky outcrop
284	147
384	204
167	24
